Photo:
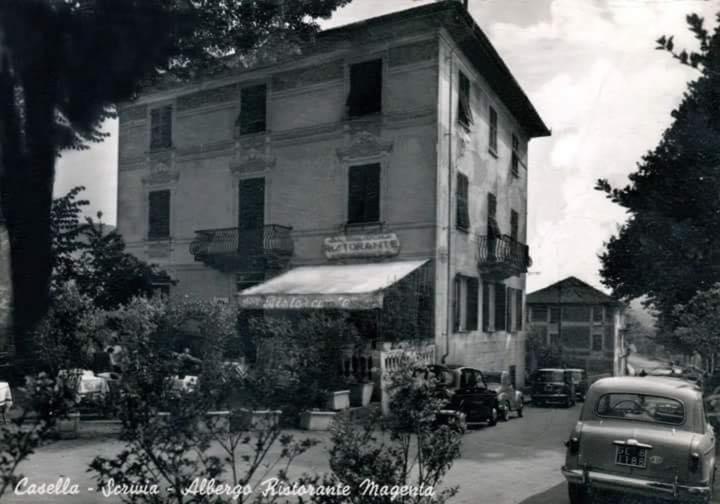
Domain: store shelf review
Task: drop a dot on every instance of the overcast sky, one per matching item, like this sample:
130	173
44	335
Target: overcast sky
591	70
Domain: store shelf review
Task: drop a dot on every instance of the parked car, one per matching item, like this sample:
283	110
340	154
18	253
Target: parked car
643	437
509	399
552	385
468	393
579	378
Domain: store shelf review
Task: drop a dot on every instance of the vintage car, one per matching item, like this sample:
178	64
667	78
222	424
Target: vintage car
551	385
643	437
509	399
579	378
468	393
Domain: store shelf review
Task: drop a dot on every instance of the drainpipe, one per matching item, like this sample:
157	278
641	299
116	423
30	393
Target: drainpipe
449	322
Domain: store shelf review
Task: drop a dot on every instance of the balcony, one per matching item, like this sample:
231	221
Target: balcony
503	257
269	247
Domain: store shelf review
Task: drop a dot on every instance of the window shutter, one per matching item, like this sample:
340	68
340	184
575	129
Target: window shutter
456	303
462	212
372	191
159	214
356	194
514	224
464	113
253	105
161	127
486	307
500	307
471	311
365	88
509	302
515	156
493	140
519	310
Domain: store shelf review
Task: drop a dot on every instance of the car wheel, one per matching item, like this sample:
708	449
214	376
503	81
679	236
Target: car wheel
493	417
505	415
577	494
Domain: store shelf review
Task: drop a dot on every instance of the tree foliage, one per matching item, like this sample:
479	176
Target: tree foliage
64	64
94	258
670	245
698	321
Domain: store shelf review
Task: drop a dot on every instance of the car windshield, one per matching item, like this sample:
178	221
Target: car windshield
492	378
641	407
444	376
550	376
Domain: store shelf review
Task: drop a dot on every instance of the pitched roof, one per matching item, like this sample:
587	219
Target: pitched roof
570	291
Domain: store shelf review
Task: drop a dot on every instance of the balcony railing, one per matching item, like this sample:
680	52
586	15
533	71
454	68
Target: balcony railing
243	249
503	257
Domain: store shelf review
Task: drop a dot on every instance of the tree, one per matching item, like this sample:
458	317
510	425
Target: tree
63	64
670	245
698	323
94	259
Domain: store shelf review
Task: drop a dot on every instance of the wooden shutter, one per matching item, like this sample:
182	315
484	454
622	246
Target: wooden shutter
519	310
464	112
514	224
161	127
462	212
509	303
471	306
159	214
365	88
486	307
251	216
364	193
456	295
500	307
253	105
515	156
493	140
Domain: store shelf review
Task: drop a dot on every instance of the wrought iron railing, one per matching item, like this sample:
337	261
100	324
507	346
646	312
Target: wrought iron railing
503	251
268	240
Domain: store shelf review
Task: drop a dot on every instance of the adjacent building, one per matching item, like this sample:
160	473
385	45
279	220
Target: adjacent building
390	149
585	323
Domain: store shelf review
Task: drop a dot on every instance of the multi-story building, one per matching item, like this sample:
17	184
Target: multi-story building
585	323
399	142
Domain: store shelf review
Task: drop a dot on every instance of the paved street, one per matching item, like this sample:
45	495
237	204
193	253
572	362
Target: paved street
514	462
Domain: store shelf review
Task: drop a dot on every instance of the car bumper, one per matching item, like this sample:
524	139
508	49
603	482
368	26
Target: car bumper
550	397
605	481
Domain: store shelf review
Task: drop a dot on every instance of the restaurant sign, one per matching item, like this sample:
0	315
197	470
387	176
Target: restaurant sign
352	246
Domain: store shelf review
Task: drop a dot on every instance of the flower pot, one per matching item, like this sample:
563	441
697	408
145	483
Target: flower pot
245	419
338	400
317	420
361	393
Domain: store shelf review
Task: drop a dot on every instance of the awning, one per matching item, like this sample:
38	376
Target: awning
348	287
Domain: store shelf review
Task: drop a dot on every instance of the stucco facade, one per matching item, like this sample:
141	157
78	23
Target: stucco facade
308	146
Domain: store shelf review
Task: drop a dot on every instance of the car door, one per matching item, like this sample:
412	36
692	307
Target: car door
469	397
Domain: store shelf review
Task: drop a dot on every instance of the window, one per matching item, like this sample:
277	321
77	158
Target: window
462	212
519	310
465	303
500	307
493	230
539	313
554	314
253	109
159	214
514	220
576	313
493	140
515	156
464	112
597	342
598	314
161	128
486	307
364	194
365	88
161	290
642	408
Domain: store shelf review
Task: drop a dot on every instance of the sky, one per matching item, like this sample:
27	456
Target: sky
590	68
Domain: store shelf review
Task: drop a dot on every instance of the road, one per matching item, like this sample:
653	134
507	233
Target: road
513	462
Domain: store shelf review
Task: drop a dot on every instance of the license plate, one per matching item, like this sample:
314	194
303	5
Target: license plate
632	456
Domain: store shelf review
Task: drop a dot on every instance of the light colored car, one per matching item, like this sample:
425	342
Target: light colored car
509	399
646	436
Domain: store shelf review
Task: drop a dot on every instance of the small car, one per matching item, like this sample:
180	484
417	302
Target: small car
468	393
553	385
509	399
579	378
644	437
